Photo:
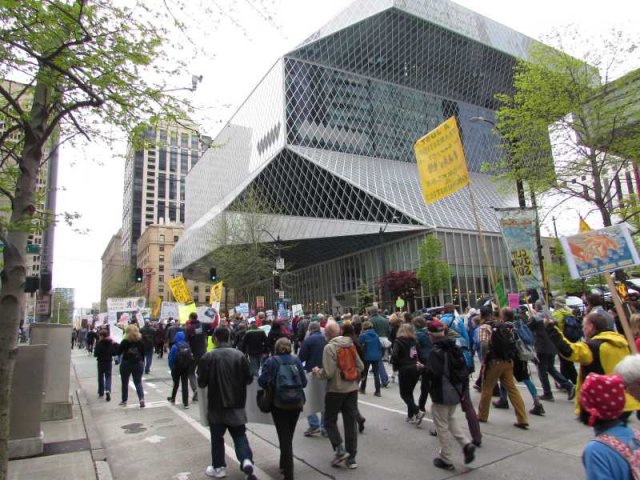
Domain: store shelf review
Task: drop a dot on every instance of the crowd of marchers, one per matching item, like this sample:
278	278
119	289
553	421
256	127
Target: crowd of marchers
433	353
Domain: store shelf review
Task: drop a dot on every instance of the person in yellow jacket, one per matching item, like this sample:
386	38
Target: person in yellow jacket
599	352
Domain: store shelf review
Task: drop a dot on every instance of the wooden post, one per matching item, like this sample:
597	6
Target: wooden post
621	313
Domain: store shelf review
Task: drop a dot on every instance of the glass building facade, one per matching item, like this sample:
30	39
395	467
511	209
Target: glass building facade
325	141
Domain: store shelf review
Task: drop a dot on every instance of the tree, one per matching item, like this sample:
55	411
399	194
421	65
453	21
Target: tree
571	107
78	66
364	296
63	303
242	253
433	273
400	284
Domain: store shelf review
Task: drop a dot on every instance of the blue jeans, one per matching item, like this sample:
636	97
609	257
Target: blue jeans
240	442
135	371
314	422
148	358
384	378
104	377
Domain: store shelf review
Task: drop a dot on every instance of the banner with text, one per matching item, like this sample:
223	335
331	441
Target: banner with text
442	166
216	293
598	251
180	290
518	227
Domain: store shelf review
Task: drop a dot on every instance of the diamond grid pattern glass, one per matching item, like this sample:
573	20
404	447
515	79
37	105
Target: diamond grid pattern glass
305	189
326	139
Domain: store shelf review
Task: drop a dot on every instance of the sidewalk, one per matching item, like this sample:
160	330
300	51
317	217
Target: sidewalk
67	450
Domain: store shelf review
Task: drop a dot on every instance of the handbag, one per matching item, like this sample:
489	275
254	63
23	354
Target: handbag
264	399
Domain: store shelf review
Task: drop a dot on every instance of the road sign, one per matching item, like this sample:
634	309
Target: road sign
286	299
33	248
279	263
399	302
43	305
280	293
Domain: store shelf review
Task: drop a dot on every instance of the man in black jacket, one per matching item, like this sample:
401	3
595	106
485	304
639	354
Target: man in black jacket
197	340
225	371
255	347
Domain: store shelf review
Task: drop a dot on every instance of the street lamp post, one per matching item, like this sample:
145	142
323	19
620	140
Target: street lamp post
383	262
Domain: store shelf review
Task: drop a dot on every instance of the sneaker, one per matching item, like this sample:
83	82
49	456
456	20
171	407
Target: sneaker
411	420
521	426
547	397
219	472
362	391
537	409
340	456
100	395
186	407
419	417
142	405
108	396
385	385
195	397
311	431
438	462
123	404
571	394
247	468
325	434
469	451
477	443
377	394
501	404
351	463
361	424
173	400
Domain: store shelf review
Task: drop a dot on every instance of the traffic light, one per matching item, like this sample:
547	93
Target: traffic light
45	282
139	275
212	275
276	282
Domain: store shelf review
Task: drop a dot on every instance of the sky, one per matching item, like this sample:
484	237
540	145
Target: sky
243	40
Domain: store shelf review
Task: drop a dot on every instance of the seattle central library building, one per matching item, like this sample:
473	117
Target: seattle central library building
325	142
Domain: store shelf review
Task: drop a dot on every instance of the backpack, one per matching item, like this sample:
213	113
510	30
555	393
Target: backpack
133	354
454	374
524	332
572	328
503	344
288	392
631	456
524	341
346	359
184	356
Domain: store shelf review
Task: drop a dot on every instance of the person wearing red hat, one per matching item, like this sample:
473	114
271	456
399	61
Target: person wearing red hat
615	452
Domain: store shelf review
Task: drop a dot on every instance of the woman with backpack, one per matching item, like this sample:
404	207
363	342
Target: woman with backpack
132	363
372	356
404	358
180	360
284	375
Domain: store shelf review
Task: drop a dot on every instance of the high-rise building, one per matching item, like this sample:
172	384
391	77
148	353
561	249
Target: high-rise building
325	141
154	181
155	247
116	271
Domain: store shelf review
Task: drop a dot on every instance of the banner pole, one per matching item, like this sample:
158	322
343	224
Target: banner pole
492	278
622	316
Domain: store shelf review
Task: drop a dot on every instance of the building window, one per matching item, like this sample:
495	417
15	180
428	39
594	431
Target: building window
196	289
160	278
161	268
160	288
161	258
176	238
161	248
161	238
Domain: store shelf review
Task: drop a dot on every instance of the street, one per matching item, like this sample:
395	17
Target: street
167	442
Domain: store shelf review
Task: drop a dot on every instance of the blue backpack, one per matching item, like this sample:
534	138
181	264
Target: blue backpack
524	332
288	392
456	325
572	328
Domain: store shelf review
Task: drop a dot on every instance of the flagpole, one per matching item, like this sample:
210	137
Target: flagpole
483	243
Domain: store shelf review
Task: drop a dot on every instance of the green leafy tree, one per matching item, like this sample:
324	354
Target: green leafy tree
63	305
572	107
557	272
80	68
364	296
433	273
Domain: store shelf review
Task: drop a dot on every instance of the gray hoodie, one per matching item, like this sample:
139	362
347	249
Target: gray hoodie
330	370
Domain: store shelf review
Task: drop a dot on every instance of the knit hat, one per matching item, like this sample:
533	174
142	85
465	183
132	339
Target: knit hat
602	397
436	328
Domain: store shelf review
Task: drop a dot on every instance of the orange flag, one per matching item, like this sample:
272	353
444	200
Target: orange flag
584	226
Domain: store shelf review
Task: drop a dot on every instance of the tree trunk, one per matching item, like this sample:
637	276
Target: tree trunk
14	273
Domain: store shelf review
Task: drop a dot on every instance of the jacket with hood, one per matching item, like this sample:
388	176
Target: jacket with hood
371	343
600	354
543	343
104	350
178	341
255	341
404	353
196	337
330	370
312	350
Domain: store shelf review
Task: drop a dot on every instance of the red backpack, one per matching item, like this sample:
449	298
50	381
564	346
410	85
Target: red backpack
631	456
346	358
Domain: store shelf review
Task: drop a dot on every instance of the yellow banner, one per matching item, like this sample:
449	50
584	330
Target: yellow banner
180	290
442	166
155	312
185	310
216	293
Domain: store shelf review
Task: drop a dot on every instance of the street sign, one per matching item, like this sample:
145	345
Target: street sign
286	299
43	305
399	302
280	293
279	263
33	248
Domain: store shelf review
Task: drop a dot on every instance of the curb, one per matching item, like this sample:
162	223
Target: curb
98	453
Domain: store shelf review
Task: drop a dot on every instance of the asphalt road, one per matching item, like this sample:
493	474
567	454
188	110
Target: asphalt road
166	442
